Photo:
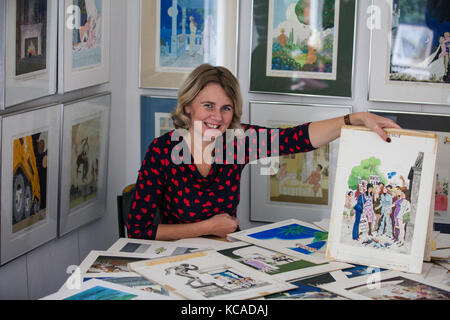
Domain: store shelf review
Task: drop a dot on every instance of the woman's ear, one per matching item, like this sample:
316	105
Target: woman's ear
187	109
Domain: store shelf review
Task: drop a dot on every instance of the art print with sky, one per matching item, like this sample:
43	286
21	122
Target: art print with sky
187	32
302	39
295	237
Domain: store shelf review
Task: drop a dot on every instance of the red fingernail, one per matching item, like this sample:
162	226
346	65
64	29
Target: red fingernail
388	140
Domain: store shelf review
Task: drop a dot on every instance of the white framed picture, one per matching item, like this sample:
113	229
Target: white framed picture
389	285
292	237
298	185
279	265
85	37
383	198
177	36
95	289
30	37
409	58
208	275
29	180
84	165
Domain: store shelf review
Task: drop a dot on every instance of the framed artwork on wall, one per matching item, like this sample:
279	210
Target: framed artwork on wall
410	52
30	171
84	165
439	123
30	51
85	44
155	119
303	47
298	185
178	35
389	187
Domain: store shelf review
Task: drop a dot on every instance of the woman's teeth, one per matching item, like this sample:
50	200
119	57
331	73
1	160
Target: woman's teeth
212	126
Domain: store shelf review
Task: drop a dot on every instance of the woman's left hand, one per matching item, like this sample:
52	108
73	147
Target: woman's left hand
374	122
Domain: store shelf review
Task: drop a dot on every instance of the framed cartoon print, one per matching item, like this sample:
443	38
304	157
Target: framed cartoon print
84	165
30	171
439	123
30	51
298	185
179	35
410	52
303	47
382	198
85	38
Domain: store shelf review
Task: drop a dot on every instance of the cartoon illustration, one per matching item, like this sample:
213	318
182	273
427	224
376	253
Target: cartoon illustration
382	215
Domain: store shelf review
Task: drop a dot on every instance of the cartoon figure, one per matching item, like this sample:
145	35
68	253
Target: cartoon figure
358	211
386	205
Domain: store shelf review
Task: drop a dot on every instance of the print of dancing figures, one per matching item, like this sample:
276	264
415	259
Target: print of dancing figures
380	205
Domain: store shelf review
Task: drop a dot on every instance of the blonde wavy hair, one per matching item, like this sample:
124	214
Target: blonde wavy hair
198	79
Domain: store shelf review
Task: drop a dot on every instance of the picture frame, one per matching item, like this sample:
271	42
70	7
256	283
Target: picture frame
155	118
206	275
389	188
308	289
287	189
162	67
29	180
405	62
439	123
84	161
389	285
84	56
276	264
95	289
30	51
292	237
101	264
299	55
151	248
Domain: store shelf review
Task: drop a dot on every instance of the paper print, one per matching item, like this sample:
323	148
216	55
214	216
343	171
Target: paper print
86	140
87	39
420	42
31	36
186	33
29	180
302	39
301	177
400	288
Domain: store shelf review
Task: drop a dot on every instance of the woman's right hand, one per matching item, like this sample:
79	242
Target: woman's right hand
222	224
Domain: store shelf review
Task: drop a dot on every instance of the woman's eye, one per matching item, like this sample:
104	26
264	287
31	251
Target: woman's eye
227	108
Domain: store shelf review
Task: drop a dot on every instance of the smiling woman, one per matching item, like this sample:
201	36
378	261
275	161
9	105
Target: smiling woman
200	196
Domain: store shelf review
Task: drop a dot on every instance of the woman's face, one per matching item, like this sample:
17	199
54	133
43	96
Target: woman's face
211	111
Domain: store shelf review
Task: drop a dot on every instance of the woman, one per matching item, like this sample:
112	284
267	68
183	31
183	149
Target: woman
368	208
405	208
359	207
201	197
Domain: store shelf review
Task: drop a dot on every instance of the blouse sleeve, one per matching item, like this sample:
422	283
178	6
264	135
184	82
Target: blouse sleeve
142	222
264	142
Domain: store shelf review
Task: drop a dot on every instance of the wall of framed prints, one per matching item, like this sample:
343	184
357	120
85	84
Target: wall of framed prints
352	91
36	273
71	127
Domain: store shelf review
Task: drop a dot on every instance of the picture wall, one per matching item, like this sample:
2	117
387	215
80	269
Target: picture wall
302	48
53	156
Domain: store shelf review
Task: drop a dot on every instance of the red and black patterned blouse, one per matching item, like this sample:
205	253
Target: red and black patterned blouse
184	195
